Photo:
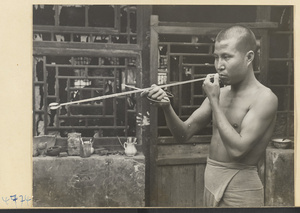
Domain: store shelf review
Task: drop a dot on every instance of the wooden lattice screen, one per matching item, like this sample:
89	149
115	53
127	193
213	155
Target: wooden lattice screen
64	79
80	52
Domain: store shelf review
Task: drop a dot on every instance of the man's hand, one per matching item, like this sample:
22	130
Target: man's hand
212	89
157	96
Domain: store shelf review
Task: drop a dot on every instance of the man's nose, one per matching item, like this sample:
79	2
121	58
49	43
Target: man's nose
219	66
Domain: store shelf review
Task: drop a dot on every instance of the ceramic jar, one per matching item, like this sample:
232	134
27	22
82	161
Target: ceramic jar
74	140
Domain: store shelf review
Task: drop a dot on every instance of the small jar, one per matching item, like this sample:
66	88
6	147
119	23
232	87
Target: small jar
74	140
86	149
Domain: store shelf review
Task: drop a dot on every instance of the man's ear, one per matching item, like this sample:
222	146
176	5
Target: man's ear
250	56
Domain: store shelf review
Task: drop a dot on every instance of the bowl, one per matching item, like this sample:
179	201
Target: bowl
54	151
281	143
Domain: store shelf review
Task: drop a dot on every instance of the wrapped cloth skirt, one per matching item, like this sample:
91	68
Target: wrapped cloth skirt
232	184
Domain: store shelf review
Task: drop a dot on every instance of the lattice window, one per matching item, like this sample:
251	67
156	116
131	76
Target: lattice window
85	23
65	79
80	52
281	70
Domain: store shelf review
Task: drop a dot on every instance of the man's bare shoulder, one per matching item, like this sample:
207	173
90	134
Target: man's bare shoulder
265	101
265	94
259	96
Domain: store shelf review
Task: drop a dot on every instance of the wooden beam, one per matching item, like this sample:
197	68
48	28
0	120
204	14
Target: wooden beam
84	52
85	45
79	30
85	49
143	105
213	29
259	25
153	116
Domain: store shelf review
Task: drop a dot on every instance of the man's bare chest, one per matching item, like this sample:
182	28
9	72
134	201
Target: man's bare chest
235	109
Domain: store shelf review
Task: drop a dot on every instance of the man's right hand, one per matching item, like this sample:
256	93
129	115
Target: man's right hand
157	96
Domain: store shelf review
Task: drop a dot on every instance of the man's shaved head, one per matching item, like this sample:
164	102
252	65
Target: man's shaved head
246	38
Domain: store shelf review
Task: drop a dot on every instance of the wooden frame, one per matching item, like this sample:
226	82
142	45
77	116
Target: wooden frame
157	160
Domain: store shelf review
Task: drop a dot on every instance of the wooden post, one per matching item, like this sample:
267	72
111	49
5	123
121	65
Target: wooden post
153	113
263	13
143	41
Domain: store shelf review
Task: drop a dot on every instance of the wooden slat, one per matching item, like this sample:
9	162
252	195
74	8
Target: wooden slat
34	105
182	30
192	98
86	116
181	160
86	66
155	176
281	32
199	186
177	186
117	23
199	65
281	85
185	186
45	94
142	104
184	150
83	77
69	29
194	139
206	28
281	59
219	26
86	46
186	30
185	44
83	52
163	194
84	127
191	54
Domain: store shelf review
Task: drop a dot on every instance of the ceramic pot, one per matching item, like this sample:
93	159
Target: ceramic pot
86	149
74	140
130	149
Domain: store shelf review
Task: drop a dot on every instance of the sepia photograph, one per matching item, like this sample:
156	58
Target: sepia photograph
162	106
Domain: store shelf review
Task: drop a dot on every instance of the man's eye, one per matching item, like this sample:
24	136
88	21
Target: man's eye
226	57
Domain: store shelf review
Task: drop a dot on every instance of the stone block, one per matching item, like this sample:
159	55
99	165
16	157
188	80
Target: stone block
279	177
97	181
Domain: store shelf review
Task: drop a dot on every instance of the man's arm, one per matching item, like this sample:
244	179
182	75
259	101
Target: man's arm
257	120
182	131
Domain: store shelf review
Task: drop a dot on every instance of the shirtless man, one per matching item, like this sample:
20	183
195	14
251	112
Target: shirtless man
243	115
